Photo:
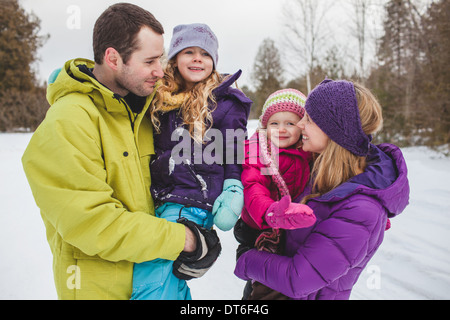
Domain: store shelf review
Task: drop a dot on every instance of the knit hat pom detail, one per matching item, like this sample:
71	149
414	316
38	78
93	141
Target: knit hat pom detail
286	100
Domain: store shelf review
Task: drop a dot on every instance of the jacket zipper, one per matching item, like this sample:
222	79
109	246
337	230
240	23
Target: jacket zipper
132	123
203	186
132	118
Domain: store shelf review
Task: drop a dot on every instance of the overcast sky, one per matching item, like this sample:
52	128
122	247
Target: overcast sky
240	25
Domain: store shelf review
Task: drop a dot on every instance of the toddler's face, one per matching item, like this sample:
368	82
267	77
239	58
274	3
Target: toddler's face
282	129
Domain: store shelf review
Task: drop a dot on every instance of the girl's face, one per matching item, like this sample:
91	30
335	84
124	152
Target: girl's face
313	138
194	65
282	129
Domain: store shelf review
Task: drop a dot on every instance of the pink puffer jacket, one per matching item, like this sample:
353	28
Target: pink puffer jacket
260	187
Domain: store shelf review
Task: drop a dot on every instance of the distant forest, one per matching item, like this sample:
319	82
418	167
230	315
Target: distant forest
408	68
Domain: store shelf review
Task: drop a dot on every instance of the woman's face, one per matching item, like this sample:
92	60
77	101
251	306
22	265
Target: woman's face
313	138
194	65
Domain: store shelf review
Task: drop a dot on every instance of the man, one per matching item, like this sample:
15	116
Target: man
88	162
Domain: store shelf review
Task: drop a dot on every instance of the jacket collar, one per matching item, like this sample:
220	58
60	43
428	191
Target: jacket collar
228	82
384	179
76	77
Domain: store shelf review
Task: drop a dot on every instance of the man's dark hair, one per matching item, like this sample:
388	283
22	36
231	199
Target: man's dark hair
118	27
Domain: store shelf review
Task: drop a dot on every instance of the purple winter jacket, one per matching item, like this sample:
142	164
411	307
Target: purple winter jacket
193	175
324	261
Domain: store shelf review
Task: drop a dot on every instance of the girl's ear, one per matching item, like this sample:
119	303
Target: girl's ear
112	58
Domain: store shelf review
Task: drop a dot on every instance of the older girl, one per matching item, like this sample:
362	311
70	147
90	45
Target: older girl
195	171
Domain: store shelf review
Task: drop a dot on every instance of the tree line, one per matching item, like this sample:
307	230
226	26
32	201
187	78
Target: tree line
406	63
22	100
400	49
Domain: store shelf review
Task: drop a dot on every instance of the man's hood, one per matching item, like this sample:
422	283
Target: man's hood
72	79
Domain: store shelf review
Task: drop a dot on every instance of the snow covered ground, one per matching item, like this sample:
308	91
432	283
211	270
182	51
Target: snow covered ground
412	263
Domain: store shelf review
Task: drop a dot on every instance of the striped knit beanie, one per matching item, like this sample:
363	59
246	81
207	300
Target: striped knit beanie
283	100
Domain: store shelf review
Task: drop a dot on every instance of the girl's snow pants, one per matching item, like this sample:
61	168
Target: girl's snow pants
154	280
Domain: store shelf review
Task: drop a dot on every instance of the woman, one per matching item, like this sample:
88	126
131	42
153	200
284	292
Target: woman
355	186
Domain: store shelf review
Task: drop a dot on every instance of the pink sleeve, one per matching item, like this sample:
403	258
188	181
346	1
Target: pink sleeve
257	197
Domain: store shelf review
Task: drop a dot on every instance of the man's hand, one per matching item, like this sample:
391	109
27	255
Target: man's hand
190	243
197	262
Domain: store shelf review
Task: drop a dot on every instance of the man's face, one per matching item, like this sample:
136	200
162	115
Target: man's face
141	72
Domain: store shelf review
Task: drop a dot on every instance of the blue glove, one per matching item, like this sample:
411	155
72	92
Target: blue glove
228	206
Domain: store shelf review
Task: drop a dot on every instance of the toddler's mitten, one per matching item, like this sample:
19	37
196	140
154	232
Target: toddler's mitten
229	204
286	215
388	225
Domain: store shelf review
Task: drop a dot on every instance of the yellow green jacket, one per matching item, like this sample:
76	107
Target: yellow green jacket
90	176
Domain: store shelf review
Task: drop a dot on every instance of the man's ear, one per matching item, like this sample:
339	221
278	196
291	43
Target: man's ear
112	58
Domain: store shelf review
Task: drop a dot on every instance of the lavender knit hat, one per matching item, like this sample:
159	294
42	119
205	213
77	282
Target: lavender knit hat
283	100
333	106
194	35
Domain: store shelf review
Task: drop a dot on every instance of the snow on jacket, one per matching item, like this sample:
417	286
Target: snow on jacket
198	179
260	189
325	260
89	174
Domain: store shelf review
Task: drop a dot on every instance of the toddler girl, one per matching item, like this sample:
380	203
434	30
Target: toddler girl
276	170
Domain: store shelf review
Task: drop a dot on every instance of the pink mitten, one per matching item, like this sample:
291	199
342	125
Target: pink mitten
388	225
286	215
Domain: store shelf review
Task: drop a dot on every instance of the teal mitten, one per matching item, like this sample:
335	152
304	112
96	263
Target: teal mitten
54	75
229	204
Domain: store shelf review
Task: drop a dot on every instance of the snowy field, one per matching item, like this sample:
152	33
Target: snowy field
412	263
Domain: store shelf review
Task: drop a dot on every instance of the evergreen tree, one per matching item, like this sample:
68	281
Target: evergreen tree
267	74
22	101
434	85
19	41
398	54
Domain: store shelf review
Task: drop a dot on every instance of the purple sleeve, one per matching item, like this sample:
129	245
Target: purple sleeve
234	130
334	246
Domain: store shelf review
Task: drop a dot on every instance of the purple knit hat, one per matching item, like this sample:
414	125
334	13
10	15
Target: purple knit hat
333	106
194	35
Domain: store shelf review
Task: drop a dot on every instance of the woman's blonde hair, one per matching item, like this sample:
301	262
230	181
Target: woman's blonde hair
335	164
195	110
